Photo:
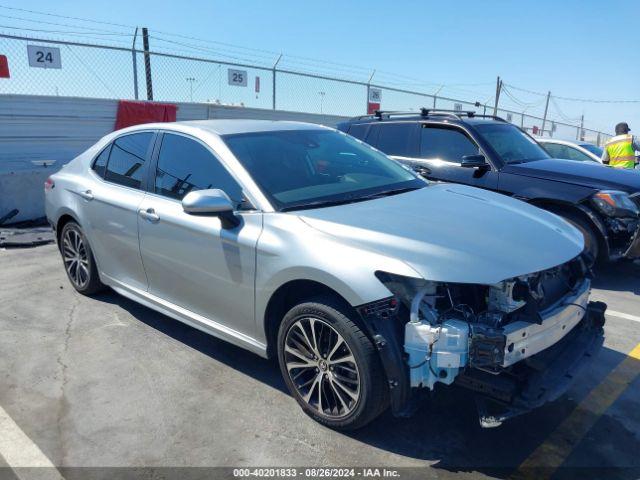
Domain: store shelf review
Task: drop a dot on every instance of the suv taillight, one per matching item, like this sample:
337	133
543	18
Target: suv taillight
48	184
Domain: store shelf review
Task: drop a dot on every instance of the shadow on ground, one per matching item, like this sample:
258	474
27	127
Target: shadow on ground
621	276
446	429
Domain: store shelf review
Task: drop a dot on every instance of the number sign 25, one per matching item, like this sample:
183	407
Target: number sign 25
237	78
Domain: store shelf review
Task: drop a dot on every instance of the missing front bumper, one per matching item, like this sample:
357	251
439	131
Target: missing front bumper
541	378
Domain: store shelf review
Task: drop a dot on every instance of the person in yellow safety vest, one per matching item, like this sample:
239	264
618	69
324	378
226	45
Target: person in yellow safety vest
620	151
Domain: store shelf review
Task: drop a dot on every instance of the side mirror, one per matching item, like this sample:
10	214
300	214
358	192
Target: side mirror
474	161
212	202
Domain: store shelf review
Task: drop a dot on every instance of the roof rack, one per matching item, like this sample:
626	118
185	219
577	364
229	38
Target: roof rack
427	112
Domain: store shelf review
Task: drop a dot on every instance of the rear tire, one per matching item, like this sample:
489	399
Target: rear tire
78	260
330	366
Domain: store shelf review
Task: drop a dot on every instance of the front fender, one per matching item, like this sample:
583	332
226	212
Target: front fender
289	250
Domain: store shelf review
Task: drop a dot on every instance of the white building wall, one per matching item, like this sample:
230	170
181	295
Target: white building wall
37	130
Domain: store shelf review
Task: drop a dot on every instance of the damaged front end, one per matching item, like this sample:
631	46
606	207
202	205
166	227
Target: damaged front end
517	344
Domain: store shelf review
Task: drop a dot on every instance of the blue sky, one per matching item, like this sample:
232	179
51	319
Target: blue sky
586	49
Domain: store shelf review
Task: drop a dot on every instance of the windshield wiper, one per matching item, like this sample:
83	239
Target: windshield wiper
343	201
320	204
388	193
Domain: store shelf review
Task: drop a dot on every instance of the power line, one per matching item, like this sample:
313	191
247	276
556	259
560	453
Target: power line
91	29
65	16
574	99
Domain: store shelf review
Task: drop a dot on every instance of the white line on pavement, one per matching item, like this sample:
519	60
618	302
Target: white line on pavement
20	452
626	316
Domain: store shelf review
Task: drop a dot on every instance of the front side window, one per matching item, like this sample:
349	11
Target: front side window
185	165
575	154
127	159
510	143
299	169
446	144
593	149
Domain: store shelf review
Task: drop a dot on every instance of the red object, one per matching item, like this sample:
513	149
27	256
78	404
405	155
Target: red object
134	113
372	107
48	184
257	84
4	67
535	130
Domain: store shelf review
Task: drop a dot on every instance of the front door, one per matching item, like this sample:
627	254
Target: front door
192	261
441	151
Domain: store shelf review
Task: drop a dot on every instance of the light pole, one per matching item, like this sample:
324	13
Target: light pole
191	80
322	94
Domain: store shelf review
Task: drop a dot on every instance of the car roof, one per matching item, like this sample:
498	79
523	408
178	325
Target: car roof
230	126
419	118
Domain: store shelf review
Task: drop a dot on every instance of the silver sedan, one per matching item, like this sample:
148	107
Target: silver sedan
300	242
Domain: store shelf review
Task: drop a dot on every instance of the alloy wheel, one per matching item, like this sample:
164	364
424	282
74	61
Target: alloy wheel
322	367
76	260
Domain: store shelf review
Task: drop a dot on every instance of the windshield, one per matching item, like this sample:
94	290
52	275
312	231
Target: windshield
299	169
510	143
592	148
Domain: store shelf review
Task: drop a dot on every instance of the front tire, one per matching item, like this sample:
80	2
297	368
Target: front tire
79	263
591	237
330	366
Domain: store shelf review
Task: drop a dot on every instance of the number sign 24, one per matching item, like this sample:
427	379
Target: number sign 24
44	57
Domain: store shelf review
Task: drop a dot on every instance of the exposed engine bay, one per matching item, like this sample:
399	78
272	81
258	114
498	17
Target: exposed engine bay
494	339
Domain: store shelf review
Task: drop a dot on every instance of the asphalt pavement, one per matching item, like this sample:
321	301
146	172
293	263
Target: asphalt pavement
92	384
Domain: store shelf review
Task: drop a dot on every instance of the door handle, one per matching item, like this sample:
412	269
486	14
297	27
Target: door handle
149	214
87	195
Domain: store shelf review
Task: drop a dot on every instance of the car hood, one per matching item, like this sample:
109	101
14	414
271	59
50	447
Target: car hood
454	233
587	174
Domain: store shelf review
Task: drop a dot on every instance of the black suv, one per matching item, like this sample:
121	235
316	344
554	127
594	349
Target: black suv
488	152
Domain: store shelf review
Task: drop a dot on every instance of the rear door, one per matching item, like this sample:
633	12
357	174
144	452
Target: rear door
110	205
441	149
192	261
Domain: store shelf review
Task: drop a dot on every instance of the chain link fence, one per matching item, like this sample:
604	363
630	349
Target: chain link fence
103	71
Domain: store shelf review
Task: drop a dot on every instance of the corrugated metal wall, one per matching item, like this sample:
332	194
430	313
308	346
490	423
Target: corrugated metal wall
38	129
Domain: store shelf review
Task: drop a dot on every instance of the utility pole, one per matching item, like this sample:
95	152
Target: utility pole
322	94
581	131
191	80
369	90
498	90
546	109
147	62
435	95
135	65
273	71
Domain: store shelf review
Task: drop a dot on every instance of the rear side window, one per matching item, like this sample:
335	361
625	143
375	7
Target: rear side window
127	159
556	150
395	138
445	144
359	131
100	163
185	165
